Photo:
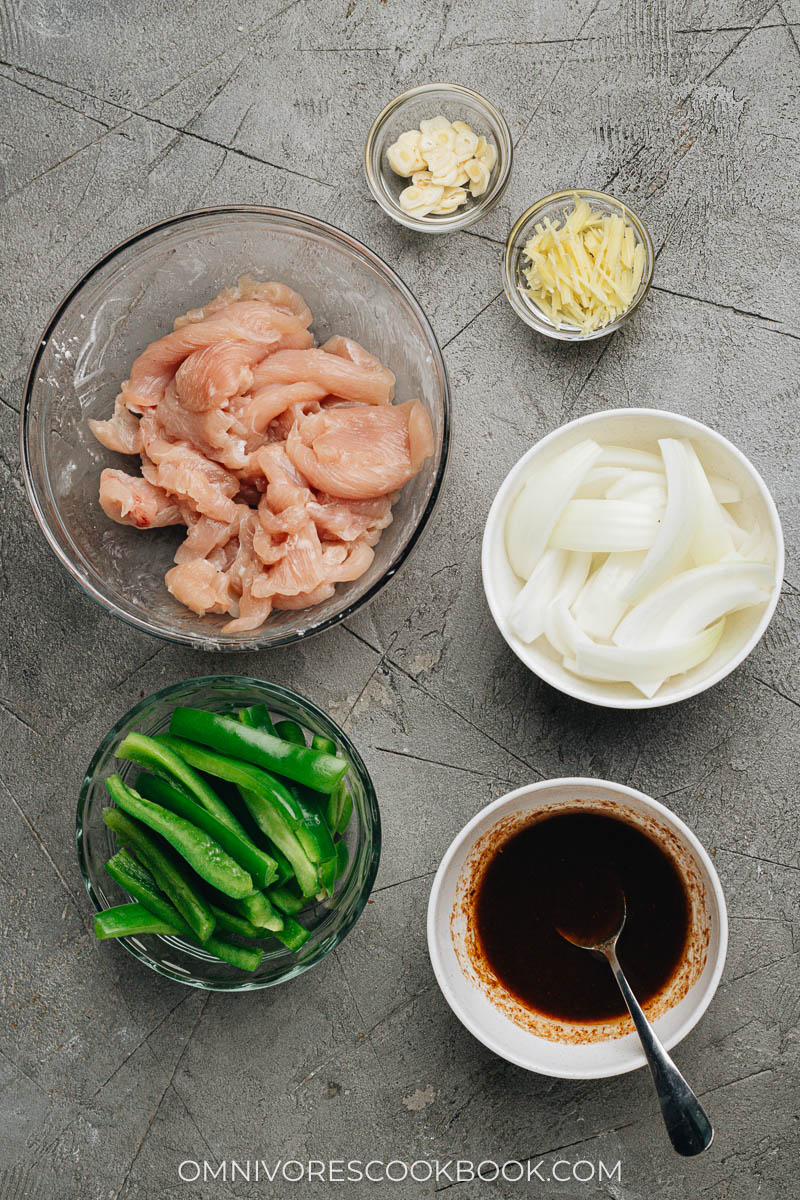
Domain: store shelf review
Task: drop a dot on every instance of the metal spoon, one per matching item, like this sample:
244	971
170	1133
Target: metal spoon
688	1126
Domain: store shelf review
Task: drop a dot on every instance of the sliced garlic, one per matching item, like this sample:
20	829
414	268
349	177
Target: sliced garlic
441	158
405	159
434	123
465	144
479	176
419	201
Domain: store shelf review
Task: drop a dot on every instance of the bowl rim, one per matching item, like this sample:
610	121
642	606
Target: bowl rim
473	213
221	642
576	690
435	918
246	983
526	312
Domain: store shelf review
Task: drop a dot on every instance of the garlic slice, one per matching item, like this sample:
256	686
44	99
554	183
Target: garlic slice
447	163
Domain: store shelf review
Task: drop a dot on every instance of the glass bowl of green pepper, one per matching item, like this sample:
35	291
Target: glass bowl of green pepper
228	833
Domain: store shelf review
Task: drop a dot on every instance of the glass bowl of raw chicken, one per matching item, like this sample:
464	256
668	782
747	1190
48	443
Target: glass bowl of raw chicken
235	428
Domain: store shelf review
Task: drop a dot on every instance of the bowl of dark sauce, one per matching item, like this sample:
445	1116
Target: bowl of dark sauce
553	858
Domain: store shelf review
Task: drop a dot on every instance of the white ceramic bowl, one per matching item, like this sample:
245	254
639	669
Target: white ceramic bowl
674	1014
632	427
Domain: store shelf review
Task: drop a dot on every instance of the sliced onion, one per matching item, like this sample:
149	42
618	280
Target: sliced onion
724	491
606	526
526	618
562	630
687	603
641	664
636	481
597	482
628	456
678	526
541	502
599	606
712	539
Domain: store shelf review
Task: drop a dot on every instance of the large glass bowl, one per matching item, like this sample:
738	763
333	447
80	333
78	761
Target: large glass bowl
329	921
130	298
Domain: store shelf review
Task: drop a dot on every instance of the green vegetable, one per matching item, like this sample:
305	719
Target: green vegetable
138	881
272	807
316	770
286	900
125	920
232	923
258	910
256	862
293	935
157	757
290	731
325	744
257	717
171	875
201	852
340	808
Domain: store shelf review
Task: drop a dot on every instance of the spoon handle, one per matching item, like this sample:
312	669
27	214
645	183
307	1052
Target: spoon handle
688	1126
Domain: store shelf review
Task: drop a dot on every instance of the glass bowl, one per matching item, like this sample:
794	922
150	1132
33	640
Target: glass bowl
457	103
557	207
131	297
329	921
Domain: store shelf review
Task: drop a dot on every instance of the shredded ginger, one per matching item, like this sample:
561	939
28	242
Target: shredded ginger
586	271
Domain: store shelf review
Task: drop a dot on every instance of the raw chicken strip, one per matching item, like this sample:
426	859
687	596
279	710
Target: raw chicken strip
245	320
277	294
199	586
120	432
209	377
337	375
356	453
131	500
282	461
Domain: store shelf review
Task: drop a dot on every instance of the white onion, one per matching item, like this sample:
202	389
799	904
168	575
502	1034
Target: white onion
540	503
606	526
633	561
678	526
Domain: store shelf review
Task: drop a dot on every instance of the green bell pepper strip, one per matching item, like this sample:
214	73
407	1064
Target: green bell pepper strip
311	805
233	923
290	731
342	858
287	901
138	881
171	875
340	805
256	862
257	717
126	920
319	771
256	909
293	935
273	808
201	852
156	757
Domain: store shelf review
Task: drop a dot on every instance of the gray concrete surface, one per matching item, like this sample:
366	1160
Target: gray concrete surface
115	115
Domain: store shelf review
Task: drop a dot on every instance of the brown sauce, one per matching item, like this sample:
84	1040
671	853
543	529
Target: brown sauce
566	870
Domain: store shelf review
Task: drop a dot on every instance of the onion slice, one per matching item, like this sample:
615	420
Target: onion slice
687	603
541	502
712	539
526	618
678	526
642	664
599	607
605	526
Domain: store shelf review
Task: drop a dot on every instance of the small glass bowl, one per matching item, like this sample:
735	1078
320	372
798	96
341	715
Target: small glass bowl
557	207
329	921
456	103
